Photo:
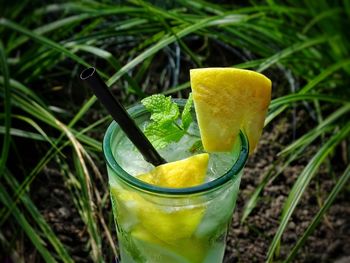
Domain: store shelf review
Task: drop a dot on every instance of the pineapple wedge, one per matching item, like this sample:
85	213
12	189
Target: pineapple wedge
227	100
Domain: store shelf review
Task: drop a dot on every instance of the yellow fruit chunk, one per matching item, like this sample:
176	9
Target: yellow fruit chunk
168	223
227	100
184	173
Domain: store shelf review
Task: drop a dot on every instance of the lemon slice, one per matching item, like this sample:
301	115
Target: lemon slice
227	100
184	173
165	223
179	174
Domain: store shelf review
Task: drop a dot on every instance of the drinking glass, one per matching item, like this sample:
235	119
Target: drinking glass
173	225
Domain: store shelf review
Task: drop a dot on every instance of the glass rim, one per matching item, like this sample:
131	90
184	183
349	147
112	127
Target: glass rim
135	112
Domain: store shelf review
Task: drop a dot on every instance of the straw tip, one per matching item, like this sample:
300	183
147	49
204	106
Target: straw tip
87	73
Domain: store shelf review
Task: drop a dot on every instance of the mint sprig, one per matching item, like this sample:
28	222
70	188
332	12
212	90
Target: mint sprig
165	126
162	109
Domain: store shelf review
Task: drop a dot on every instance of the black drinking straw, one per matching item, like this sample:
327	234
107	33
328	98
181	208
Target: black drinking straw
93	80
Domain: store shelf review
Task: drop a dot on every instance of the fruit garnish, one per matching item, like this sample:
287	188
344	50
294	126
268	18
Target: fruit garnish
227	100
166	225
179	174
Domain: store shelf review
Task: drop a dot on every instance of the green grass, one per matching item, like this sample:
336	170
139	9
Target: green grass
44	47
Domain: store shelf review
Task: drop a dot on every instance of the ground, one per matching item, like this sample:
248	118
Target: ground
249	242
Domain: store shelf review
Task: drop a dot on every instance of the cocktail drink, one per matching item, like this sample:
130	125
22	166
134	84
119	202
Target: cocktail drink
158	224
180	211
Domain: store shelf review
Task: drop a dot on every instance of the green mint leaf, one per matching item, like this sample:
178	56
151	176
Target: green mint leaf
162	109
163	134
186	116
165	127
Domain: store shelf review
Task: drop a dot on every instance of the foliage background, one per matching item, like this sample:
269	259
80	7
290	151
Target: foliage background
51	125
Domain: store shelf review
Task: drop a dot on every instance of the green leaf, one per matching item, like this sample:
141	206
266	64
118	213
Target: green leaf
162	109
161	135
186	116
324	74
43	40
165	127
290	50
7	109
167	40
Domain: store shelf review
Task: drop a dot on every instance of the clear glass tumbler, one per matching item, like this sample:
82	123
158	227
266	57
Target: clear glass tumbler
171	225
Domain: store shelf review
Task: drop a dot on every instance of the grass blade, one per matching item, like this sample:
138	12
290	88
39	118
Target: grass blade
48	28
150	52
38	218
23	134
321	16
87	209
273	113
43	40
302	97
27	228
316	220
7	109
324	74
19	88
317	131
301	184
170	39
291	50
270	176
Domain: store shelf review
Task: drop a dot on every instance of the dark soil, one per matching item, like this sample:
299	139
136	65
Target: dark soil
247	242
